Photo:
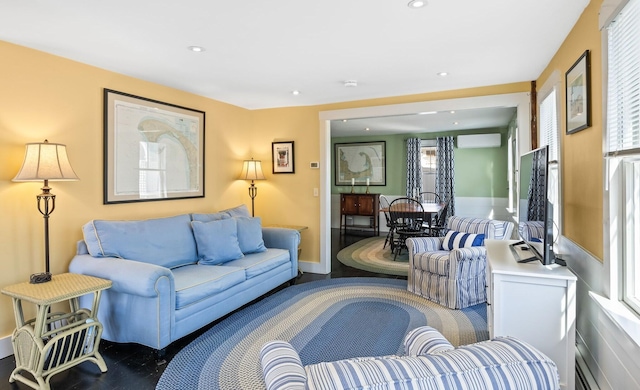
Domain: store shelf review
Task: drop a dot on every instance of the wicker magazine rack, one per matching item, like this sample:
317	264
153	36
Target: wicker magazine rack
55	341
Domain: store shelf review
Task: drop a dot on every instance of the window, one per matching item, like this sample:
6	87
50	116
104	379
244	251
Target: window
548	125
623	148
429	164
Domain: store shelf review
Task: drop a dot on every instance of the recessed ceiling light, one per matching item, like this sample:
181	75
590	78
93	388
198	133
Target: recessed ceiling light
344	120
296	92
442	74
197	49
366	129
453	112
455	123
351	83
417	4
428	113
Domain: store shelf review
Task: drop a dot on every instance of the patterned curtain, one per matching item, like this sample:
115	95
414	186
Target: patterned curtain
414	168
445	174
536	195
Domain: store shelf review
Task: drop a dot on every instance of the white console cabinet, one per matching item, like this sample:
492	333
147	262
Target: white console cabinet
534	303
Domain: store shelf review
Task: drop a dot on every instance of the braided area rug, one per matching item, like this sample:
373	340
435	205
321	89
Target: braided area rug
324	320
368	255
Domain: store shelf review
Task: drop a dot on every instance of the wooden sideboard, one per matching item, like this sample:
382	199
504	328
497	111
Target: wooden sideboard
360	205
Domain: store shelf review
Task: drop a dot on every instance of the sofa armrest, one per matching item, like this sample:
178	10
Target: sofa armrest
282	367
424	244
469	254
425	340
128	276
283	238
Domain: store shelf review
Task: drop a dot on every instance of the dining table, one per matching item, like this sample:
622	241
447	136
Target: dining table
429	210
412	211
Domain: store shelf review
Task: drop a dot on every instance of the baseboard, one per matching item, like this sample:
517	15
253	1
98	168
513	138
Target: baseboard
314	268
584	379
5	347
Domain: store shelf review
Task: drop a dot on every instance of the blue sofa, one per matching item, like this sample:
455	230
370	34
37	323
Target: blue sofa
430	363
171	276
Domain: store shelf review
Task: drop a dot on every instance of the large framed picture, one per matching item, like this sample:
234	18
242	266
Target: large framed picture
578	82
152	150
282	157
361	163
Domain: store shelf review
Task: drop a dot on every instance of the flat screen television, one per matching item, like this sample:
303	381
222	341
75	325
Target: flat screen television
535	211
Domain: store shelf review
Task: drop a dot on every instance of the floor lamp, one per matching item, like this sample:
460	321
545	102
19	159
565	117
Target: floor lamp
45	161
252	170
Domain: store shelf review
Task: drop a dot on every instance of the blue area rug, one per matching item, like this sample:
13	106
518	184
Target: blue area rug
324	320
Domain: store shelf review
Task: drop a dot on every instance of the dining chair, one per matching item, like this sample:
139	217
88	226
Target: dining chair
439	226
429	197
384	207
407	215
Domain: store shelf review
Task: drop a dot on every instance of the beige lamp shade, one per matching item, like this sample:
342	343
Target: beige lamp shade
252	170
46	161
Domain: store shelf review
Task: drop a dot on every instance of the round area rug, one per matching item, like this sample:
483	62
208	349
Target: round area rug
324	320
368	255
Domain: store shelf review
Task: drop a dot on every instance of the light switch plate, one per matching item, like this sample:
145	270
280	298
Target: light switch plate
314	165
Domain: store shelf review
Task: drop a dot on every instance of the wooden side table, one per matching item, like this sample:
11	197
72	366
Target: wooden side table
55	341
299	228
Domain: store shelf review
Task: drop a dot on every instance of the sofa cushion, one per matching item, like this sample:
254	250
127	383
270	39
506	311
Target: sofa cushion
167	242
436	262
260	262
196	282
456	240
250	235
217	241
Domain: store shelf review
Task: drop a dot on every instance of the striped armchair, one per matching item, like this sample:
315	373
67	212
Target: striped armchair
430	362
451	270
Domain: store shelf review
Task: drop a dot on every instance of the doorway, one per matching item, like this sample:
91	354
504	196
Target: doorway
518	100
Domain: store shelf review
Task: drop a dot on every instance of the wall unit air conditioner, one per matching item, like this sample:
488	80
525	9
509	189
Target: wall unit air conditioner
479	141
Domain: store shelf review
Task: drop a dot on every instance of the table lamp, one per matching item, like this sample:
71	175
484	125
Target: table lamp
252	170
45	161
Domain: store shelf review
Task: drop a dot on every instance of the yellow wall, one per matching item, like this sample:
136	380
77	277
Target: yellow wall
45	96
582	168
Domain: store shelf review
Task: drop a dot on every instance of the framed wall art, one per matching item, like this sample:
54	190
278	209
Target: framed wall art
361	162
578	83
282	157
152	150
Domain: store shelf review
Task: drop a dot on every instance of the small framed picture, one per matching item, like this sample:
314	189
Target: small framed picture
282	157
578	80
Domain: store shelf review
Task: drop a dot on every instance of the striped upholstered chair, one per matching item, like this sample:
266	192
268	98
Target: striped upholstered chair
451	270
430	362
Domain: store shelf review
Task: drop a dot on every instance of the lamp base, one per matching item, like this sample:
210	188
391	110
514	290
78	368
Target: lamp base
40	278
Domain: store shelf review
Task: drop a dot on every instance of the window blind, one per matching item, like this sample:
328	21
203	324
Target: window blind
549	124
623	93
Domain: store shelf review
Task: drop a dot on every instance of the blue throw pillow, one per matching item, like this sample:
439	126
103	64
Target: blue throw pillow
209	217
238	211
457	240
250	235
167	242
217	241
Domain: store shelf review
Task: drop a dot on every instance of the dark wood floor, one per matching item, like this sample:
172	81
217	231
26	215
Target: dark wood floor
131	366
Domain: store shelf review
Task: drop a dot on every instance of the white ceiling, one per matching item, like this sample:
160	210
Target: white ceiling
471	119
257	52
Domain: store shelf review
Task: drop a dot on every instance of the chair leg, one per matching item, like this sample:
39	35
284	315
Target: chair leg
386	240
399	245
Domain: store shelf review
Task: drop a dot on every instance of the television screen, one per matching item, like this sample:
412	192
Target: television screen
535	212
